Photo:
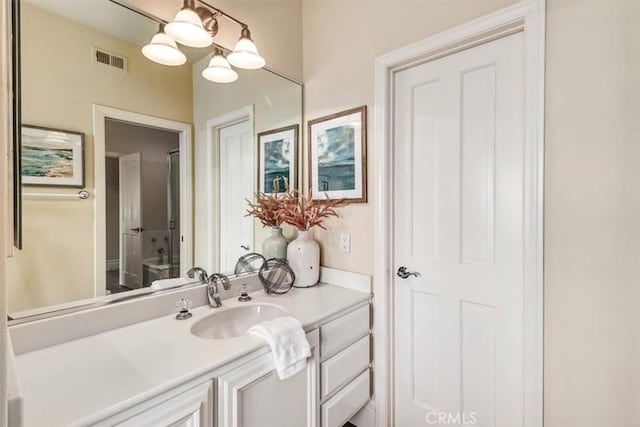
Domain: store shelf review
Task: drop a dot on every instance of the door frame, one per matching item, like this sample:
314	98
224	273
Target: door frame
100	114
121	257
212	196
527	16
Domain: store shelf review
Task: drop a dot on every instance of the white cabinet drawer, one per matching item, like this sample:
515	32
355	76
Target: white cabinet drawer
344	405
343	331
345	365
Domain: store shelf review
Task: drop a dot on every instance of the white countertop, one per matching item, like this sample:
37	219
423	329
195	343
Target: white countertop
87	379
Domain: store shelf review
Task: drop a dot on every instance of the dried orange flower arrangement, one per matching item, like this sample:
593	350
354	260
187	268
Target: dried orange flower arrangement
293	208
302	213
267	208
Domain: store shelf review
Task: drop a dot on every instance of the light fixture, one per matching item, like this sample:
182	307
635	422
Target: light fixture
196	27
187	28
219	70
245	54
163	50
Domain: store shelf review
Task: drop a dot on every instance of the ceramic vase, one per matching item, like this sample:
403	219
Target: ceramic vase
275	246
303	255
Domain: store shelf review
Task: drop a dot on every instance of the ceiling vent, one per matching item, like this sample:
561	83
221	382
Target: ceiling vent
101	56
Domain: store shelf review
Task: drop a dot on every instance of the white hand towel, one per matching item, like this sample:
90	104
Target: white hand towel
288	343
162	284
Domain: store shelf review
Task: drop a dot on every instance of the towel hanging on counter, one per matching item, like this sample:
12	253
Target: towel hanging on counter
288	344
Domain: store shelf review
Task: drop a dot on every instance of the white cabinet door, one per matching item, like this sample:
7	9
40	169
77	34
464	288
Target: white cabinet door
191	408
253	395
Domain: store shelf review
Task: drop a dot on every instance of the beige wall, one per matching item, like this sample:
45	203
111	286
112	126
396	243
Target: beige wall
277	102
592	212
592	325
56	264
338	74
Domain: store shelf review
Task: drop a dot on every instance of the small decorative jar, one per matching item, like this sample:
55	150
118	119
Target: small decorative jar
303	255
275	246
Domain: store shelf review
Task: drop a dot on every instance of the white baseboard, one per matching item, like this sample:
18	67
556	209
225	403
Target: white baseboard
113	264
346	279
366	417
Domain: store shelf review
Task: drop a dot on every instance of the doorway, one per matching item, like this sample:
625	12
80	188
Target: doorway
142	204
135	152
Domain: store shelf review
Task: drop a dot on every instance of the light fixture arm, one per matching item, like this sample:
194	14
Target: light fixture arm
220	13
209	21
214	12
189	4
245	33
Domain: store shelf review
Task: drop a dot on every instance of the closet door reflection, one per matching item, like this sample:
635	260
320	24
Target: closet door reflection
236	187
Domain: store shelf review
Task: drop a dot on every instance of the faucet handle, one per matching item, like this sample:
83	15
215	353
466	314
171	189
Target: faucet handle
244	296
183	305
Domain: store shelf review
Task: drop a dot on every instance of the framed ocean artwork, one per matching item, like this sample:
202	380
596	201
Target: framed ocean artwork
338	156
52	157
278	154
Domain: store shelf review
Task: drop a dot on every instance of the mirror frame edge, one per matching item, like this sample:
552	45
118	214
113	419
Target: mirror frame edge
16	121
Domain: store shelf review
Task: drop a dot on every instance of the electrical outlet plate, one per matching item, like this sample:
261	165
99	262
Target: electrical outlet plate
345	243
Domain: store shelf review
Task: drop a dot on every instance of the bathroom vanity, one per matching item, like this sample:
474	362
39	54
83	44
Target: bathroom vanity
172	155
158	373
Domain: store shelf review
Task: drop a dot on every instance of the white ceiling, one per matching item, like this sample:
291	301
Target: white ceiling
105	16
116	20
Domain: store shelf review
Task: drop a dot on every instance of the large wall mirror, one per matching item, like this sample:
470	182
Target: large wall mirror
132	171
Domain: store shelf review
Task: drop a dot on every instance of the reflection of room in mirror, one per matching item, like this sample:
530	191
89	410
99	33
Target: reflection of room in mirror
57	264
72	247
273	106
142	205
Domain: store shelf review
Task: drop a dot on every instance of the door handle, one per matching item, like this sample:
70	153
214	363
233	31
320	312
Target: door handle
403	273
245	247
138	229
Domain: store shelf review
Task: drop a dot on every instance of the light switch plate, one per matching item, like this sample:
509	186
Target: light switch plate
345	243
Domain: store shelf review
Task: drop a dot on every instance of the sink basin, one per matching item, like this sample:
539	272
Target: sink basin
235	321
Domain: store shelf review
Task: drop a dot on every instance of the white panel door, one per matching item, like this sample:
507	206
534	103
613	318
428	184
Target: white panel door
458	221
131	220
236	187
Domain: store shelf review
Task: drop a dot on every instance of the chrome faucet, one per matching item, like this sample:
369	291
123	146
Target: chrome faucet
202	274
213	293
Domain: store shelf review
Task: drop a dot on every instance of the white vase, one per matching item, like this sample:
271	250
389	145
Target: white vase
303	255
274	246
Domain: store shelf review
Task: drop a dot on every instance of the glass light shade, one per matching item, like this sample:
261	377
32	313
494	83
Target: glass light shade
163	50
245	55
187	29
219	70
